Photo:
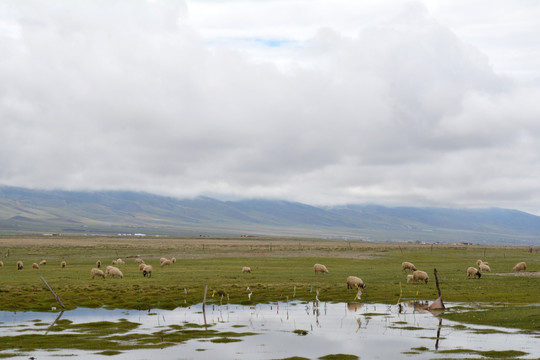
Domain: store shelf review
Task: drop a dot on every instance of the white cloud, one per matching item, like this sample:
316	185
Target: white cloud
350	102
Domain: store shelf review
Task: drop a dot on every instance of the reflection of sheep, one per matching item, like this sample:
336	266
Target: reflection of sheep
19	265
471	271
98	263
97	272
520	266
246	269
320	268
166	263
408	266
353	282
43	262
420	275
114	272
409	278
147	270
173	260
484	267
63	264
35	266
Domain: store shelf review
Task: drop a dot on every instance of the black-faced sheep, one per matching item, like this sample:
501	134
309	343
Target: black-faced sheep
320	268
98	263
35	266
63	264
97	272
408	266
43	262
147	270
420	275
520	267
246	269
471	271
19	265
355	282
114	272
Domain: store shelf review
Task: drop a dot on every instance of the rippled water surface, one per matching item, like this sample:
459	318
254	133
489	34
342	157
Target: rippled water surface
369	331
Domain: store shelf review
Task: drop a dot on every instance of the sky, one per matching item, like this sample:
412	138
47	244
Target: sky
398	103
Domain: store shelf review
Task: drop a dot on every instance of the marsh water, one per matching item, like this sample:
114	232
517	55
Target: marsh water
280	330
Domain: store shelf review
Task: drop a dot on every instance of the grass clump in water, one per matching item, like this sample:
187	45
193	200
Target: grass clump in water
339	357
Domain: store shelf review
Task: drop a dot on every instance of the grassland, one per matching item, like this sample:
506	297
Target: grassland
282	268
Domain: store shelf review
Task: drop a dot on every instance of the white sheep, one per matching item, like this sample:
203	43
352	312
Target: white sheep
63	264
355	282
120	262
420	275
114	262
484	267
520	266
43	262
19	265
246	269
173	260
35	266
141	266
408	266
1	263
162	260
471	271
479	261
320	268
114	272
147	270
98	263
97	272
166	263
410	278
139	261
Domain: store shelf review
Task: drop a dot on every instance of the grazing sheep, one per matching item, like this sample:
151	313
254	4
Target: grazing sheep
43	262
114	272
484	267
408	266
141	266
120	262
63	264
320	268
162	260
139	261
19	265
471	271
478	262
420	275
97	272
1	263
147	270
114	262
246	269
355	282
35	266
409	278
166	263
98	263
173	260
520	266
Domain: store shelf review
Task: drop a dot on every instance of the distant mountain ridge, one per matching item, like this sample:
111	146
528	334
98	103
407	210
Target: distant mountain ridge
111	212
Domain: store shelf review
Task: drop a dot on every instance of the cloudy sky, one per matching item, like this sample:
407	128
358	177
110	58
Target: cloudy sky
423	103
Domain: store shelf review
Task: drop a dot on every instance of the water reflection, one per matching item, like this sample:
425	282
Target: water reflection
365	330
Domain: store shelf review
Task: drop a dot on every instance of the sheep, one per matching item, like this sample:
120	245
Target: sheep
166	263
139	261
162	260
520	266
98	263
19	265
1	263
173	260
484	267
320	268
43	262
147	270
120	262
114	262
63	264
35	266
141	266
420	275
471	271
355	282
409	278
97	272
246	269
478	262
408	266
114	271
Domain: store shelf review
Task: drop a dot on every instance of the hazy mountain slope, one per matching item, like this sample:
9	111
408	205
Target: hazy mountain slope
26	210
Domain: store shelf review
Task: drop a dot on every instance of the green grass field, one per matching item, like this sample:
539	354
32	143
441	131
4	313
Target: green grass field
281	269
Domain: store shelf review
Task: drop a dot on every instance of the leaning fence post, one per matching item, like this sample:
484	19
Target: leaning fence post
55	296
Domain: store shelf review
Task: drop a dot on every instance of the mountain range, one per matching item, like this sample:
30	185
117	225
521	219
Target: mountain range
30	211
